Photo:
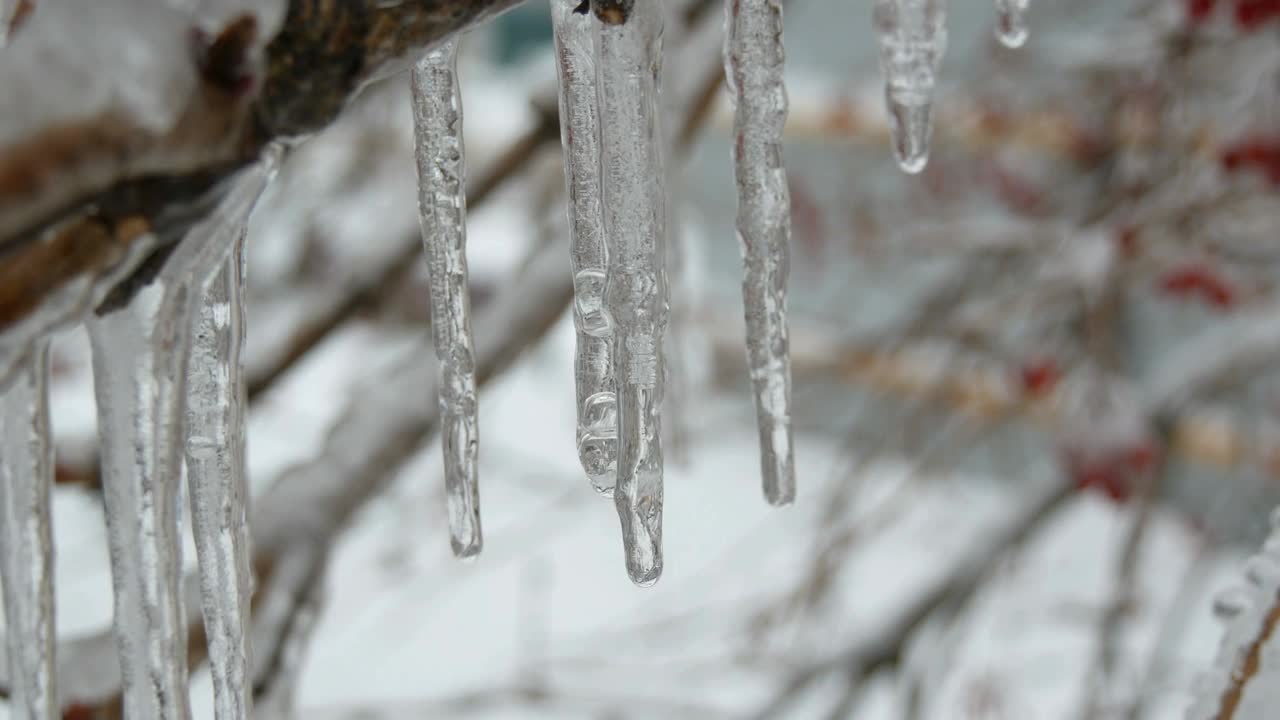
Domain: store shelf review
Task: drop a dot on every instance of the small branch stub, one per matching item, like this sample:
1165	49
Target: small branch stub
613	12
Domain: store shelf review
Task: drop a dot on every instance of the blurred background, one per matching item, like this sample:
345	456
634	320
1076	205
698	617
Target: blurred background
1027	458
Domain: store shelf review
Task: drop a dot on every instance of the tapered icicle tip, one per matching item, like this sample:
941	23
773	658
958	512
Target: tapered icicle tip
1011	22
641	539
780	483
912	130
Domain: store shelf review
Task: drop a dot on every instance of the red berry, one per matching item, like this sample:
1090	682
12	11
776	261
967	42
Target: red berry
1250	14
1040	376
1199	10
1199	280
1257	153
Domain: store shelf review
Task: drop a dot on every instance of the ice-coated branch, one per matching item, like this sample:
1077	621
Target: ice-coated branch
628	47
442	207
754	57
215	457
140	362
1244	683
26	540
597	407
83	197
913	39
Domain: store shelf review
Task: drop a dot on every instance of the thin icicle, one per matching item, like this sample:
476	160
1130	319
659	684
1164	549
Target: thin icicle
26	542
913	39
597	431
1011	22
140	362
753	68
628	51
216	482
442	206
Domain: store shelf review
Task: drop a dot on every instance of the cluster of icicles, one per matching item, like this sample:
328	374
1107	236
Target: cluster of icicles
170	390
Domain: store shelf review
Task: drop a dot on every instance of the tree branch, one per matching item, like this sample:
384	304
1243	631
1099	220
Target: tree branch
77	196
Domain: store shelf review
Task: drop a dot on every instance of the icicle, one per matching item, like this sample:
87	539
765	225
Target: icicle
753	56
216	482
1011	22
139	364
913	39
628	46
597	432
140	372
26	543
442	205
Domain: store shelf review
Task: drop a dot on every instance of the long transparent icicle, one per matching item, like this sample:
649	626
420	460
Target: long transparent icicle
754	58
1011	22
442	206
139	367
140	363
597	431
628	49
216	482
913	39
26	541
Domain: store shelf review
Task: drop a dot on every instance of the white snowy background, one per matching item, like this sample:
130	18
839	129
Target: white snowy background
545	623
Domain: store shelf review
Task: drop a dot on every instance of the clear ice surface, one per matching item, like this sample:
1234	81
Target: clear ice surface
597	412
215	447
442	206
26	542
140	363
753	57
628	54
913	39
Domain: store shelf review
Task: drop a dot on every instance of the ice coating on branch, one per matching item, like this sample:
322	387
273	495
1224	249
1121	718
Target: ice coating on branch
913	39
597	431
216	481
628	47
1011	22
1244	683
140	364
753	56
26	542
442	206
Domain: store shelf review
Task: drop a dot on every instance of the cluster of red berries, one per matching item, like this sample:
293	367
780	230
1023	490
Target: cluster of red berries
1115	473
1197	280
1262	154
1249	14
